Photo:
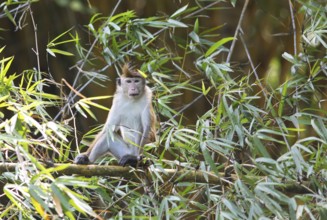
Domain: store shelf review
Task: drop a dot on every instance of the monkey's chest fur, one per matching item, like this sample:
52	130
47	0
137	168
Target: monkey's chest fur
131	125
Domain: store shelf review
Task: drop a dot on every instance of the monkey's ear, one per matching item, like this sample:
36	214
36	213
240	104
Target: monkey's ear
118	82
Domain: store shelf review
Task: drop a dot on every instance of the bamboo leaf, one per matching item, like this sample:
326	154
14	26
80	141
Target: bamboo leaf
179	11
9	15
204	90
283	98
57	51
142	74
288	57
320	128
218	44
260	147
176	23
208	158
196	26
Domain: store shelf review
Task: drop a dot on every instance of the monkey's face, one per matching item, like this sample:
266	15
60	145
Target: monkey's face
132	87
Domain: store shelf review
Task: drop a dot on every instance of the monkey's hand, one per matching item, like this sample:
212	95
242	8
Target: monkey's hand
82	159
130	160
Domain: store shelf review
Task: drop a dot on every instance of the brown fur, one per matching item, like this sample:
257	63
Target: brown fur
153	130
129	72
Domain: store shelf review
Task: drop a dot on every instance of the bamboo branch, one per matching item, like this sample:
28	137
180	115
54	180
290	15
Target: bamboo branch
238	28
119	171
167	175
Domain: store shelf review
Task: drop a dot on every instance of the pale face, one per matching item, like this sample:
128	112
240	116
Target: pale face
133	87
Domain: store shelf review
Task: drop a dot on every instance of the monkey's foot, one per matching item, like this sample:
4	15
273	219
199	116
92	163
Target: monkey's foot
130	160
134	161
82	159
146	163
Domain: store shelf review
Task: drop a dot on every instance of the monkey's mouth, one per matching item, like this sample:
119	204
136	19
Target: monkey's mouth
133	94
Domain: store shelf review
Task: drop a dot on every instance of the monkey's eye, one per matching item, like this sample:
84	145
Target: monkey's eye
137	80
128	81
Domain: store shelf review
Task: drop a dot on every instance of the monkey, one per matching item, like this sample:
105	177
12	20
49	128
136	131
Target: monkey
132	114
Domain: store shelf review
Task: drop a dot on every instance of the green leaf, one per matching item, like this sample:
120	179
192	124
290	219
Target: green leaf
233	2
233	208
115	26
75	180
45	96
220	110
2	48
82	104
13	195
9	15
62	52
161	84
79	204
208	158
196	26
320	128
260	147
218	44
179	11
56	129
80	110
88	102
5	65
52	43
204	90
176	23
62	198
37	193
288	57
283	98
50	52
143	74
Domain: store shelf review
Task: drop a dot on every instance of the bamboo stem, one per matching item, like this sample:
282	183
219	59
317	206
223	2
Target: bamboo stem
167	175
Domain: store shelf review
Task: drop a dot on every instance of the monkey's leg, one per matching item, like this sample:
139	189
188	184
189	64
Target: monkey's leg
98	148
113	144
125	153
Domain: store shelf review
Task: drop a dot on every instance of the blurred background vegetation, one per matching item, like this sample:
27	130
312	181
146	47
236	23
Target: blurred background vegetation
266	24
240	89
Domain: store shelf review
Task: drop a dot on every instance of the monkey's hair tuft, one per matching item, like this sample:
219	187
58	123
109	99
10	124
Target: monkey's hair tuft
129	71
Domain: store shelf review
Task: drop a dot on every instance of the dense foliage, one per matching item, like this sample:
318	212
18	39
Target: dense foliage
266	141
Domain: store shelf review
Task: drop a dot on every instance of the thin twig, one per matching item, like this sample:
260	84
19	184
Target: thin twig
252	65
295	54
36	51
185	107
202	9
75	130
16	10
72	89
237	31
293	26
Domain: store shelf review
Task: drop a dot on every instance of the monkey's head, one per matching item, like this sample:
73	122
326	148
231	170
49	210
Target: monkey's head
131	83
